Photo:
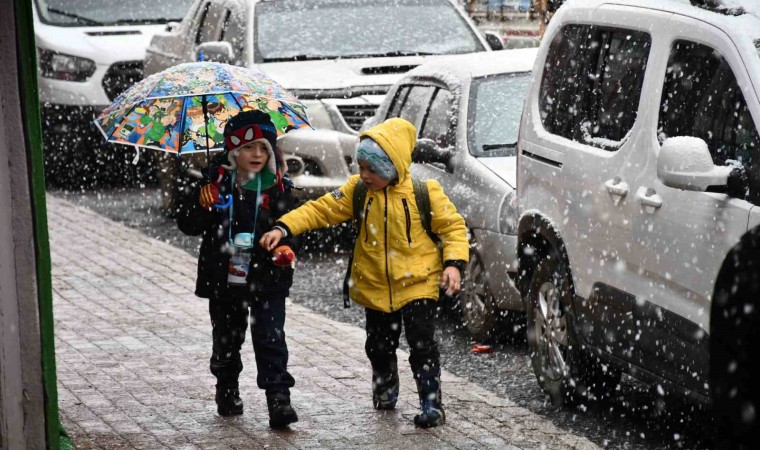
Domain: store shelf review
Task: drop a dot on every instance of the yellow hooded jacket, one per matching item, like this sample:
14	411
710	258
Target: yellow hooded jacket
395	261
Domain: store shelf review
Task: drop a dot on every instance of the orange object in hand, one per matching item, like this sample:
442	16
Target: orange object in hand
209	195
283	256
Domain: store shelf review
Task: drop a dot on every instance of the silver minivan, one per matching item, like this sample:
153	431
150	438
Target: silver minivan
467	112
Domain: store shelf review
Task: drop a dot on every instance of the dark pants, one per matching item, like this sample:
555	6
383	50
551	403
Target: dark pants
384	330
229	322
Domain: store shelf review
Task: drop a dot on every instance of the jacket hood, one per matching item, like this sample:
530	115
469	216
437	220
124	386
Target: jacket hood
397	137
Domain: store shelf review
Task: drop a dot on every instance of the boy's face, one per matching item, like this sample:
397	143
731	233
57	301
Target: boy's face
252	157
370	178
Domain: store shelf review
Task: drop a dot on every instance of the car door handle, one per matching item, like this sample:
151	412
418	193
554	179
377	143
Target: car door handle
616	187
648	197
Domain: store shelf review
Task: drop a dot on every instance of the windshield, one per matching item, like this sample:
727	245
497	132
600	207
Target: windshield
494	113
298	29
107	12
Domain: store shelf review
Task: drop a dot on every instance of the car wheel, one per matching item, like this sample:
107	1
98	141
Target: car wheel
479	312
568	374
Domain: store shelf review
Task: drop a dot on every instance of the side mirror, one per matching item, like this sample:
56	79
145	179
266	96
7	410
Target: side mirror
218	51
494	40
685	163
427	151
295	165
172	26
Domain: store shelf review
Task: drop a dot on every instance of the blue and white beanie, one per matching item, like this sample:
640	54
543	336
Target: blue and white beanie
370	152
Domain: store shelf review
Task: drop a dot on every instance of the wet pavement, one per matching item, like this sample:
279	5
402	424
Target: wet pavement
132	348
635	418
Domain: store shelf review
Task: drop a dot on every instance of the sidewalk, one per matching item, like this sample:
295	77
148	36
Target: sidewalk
132	349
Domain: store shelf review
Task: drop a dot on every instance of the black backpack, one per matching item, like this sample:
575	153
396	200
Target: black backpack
421	197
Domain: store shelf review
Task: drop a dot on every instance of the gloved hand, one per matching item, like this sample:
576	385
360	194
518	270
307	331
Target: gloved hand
283	256
209	195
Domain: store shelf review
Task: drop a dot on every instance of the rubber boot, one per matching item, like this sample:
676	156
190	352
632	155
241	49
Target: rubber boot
429	390
228	402
281	414
385	387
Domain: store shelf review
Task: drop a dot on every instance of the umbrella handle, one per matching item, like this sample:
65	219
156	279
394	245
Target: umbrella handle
227	202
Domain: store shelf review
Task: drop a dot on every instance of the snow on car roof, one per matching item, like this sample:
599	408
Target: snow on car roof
456	68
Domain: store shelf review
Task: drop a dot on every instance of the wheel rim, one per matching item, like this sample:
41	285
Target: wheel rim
551	331
475	295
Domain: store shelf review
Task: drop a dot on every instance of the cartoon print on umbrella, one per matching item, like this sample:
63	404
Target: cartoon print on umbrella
184	108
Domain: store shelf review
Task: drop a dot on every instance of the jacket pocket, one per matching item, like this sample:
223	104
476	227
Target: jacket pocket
408	269
408	218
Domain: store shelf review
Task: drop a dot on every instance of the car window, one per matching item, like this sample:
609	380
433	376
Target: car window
493	116
211	23
440	121
701	98
592	83
360	28
415	104
234	31
398	101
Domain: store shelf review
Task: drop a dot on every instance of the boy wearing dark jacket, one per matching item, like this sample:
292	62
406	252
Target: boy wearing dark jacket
240	202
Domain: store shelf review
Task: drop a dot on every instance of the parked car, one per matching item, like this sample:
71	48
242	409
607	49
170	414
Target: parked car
338	57
467	112
88	53
638	172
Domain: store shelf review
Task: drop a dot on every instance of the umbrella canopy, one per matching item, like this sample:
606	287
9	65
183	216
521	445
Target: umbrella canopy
184	109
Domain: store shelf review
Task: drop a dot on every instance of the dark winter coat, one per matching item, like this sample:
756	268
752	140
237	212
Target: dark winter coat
213	263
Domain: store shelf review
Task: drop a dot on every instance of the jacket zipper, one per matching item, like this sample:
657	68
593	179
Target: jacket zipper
366	214
387	267
408	222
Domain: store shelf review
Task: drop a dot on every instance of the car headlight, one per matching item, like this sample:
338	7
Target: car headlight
60	66
508	214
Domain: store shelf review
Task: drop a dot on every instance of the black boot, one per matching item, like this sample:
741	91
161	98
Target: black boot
228	402
429	390
385	387
281	414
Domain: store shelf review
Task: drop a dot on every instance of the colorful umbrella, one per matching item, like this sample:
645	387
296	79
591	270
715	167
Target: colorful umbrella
184	109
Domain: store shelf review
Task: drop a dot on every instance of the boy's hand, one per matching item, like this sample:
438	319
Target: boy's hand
209	195
451	280
284	256
270	239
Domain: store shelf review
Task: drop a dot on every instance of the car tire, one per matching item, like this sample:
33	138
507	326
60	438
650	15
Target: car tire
567	373
477	304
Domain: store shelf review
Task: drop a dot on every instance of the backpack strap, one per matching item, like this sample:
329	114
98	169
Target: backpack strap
360	195
422	198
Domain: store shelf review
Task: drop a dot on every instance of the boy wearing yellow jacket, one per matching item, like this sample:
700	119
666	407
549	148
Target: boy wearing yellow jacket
397	269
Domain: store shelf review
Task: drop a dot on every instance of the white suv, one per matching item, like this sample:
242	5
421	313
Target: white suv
88	53
338	57
638	171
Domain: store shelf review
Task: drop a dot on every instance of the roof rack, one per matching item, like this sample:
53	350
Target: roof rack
719	6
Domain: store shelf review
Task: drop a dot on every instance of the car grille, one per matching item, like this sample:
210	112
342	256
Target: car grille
121	76
354	115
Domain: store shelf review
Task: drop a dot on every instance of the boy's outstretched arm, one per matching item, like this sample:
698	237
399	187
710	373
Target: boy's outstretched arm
330	209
